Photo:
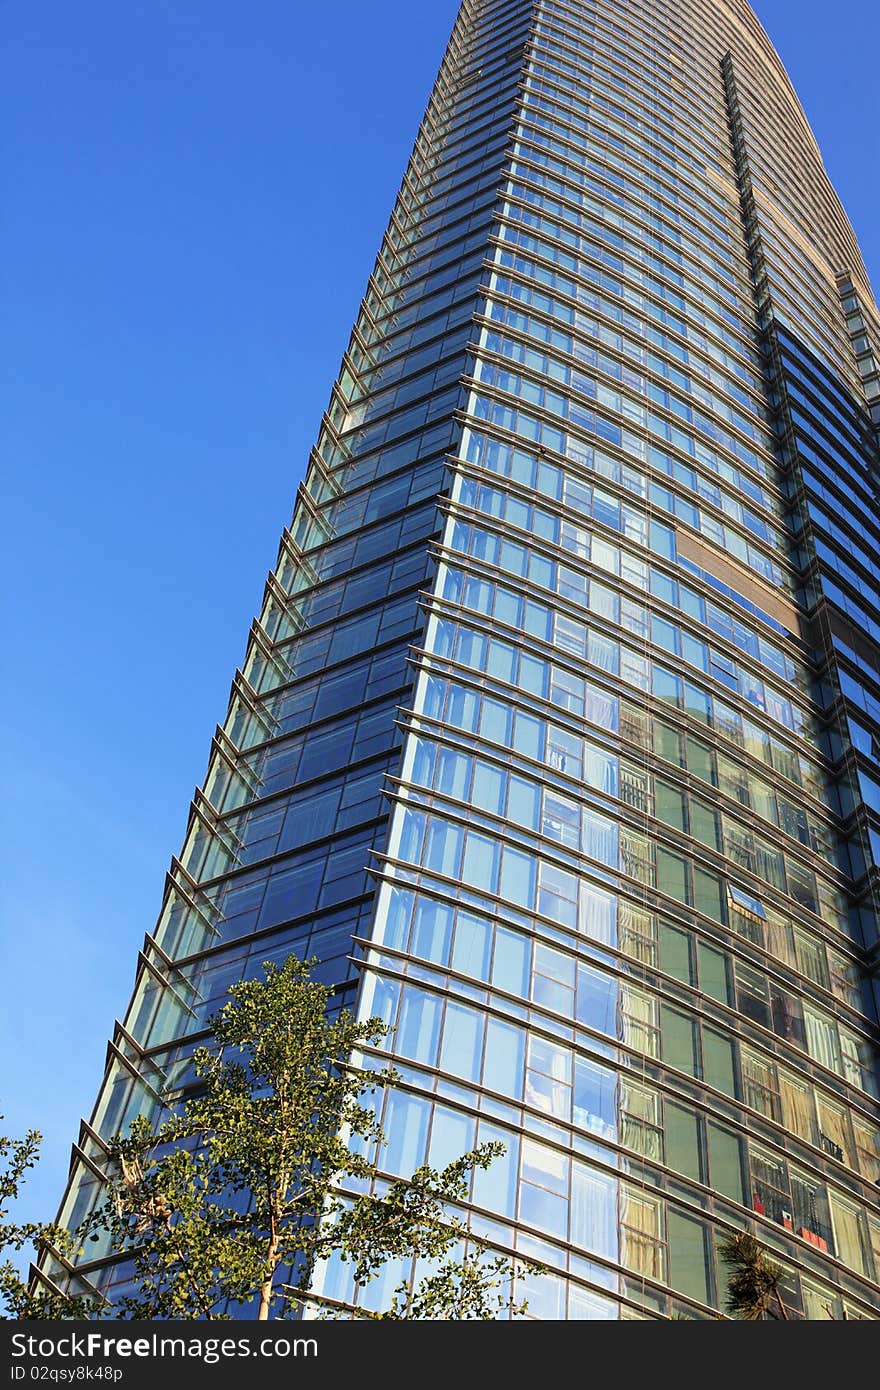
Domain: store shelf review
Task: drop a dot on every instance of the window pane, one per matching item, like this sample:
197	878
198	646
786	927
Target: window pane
641	1224
419	1026
432	931
473	946
670	805
713	973
495	1187
684	1142
505	1051
452	1134
679	1040
689	1257
595	1103
510	966
594	1212
462	1049
725	1163
675	954
672	875
406	1129
718	1061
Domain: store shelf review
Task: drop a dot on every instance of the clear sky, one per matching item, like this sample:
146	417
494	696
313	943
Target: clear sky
194	194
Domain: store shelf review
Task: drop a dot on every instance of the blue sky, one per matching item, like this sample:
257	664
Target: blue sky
194	194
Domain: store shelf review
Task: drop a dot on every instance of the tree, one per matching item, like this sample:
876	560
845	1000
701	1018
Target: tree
17	1299
754	1281
217	1207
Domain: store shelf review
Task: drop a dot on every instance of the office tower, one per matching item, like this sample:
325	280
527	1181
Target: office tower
557	736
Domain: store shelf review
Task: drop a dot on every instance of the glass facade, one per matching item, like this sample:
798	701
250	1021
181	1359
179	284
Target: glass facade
558	736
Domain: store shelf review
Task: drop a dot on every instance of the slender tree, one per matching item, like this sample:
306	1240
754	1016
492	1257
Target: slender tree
234	1199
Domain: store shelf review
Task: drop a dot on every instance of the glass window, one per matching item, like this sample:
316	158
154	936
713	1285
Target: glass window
523	802
690	1256
770	1191
597	996
640	1120
443	848
595	1104
561	819
714	975
637	933
670	804
745	903
680	1048
453	774
397	905
704	823
820	1304
603	653
676	953
636	858
685	1144
667	687
543	1197
432	931
641	1232
418	1031
406	1130
495	722
874	1242
697	705
672	875
473	945
488	789
726	1168
759	1084
851	1235
708	894
600	770
810	1210
797	1106
701	761
564	751
600	838
505	1053
594	1212
510	965
718	1061
557	894
752	994
481	858
668	743
640	1020
452	1134
548	1078
495	1187
462	1049
822	1040
811	958
598	914
867	1142
528	732
518	875
635	787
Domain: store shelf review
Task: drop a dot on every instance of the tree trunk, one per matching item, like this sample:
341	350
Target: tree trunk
267	1284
